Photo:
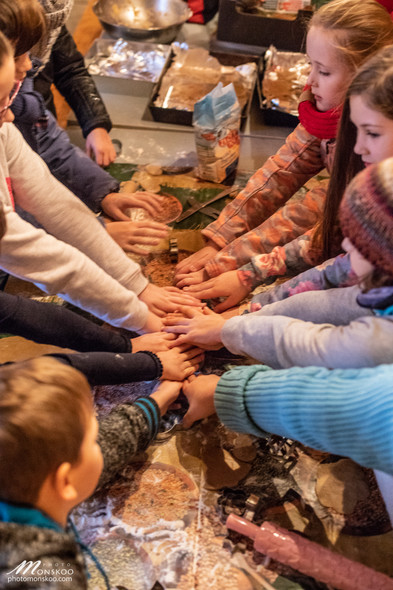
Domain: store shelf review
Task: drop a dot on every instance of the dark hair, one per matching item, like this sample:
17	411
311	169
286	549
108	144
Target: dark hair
327	236
374	81
376	278
5	49
44	413
23	23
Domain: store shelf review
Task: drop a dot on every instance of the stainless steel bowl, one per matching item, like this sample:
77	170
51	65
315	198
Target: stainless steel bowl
158	21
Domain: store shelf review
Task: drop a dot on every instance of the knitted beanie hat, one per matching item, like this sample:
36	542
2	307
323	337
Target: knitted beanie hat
56	15
366	214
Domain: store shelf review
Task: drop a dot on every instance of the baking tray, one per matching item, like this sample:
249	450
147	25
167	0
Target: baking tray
181	117
119	84
272	117
237	26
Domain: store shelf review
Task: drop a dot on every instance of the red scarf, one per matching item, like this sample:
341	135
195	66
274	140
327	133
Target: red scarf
322	125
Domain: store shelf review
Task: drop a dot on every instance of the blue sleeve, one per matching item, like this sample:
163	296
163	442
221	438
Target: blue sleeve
346	412
28	105
72	167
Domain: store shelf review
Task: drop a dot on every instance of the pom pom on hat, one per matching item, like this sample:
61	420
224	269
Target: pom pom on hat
366	214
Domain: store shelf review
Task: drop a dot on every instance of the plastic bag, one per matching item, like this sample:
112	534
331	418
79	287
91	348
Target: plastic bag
216	124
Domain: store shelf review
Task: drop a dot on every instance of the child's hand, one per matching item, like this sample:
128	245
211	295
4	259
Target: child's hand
99	145
180	362
165	394
115	205
163	300
191	278
153	324
131	235
200	394
156	342
196	327
198	260
226	285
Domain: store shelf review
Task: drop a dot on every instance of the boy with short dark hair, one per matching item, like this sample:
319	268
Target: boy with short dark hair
52	455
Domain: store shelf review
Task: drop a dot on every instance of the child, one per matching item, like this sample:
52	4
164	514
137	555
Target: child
64	66
58	452
74	256
22	22
365	137
348	327
342	34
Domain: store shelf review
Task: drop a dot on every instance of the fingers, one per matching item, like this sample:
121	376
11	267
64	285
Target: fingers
176	329
189	380
183	301
182	313
202	292
207	311
187	280
151	202
197	361
191	264
189	352
166	336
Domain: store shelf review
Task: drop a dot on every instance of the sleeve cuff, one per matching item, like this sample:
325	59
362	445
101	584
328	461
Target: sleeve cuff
230	400
152	413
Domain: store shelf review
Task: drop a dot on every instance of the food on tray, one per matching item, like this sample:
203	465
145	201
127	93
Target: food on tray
284	78
170	210
194	73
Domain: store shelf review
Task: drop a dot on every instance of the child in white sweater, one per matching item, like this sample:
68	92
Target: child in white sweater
73	256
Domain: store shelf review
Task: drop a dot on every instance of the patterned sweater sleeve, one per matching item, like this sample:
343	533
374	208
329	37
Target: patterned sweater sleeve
290	259
335	272
124	433
269	188
346	412
298	216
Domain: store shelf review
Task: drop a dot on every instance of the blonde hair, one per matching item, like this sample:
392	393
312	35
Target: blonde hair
360	28
45	407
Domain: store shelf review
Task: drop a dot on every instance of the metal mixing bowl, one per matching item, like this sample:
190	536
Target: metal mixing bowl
158	21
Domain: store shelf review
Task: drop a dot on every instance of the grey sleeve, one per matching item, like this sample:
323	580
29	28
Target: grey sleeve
282	342
334	306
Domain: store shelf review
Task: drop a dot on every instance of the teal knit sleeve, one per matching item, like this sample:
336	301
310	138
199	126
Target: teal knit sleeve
347	412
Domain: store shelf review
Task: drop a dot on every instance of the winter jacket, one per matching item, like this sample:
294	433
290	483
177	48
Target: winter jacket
67	71
290	259
68	163
252	223
28	534
345	412
74	257
337	329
